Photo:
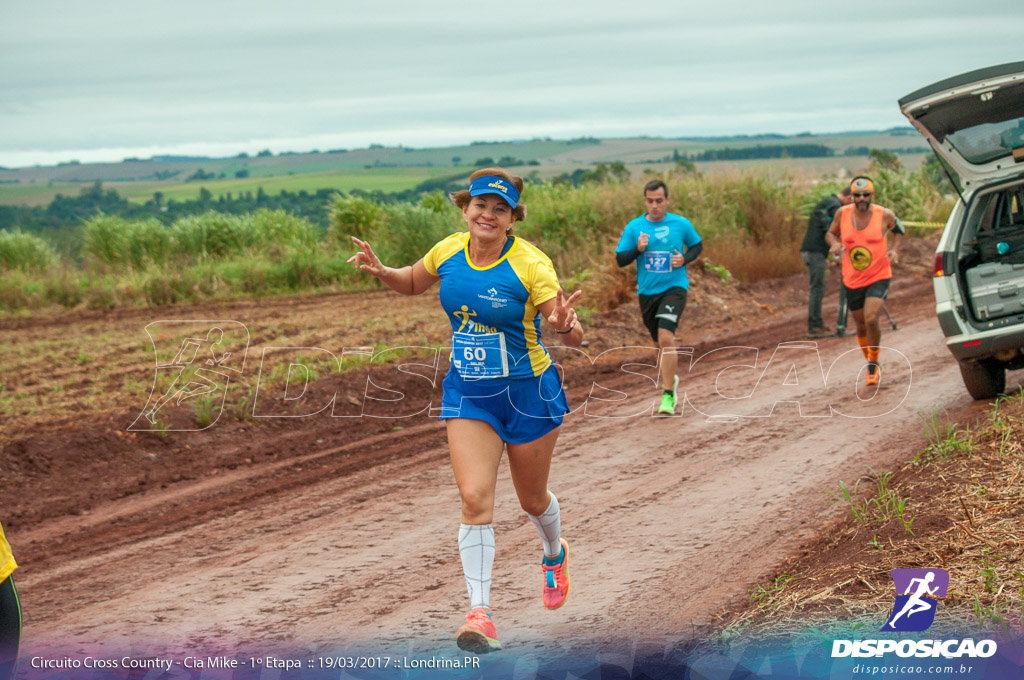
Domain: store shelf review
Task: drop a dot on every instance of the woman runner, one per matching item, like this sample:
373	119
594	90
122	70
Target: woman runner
10	612
502	391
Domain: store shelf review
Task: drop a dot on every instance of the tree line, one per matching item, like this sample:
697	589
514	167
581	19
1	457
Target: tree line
762	151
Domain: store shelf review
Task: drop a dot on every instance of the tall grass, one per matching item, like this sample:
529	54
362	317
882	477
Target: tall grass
352	216
751	222
409	231
400	233
24	252
910	194
768	245
117	245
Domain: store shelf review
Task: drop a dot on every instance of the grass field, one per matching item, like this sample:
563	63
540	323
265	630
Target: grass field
815	168
36	194
291	163
385	179
646	150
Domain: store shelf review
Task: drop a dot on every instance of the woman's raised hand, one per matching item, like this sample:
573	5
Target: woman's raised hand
563	316
365	260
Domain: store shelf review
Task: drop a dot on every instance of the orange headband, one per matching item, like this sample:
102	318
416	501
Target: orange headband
862	184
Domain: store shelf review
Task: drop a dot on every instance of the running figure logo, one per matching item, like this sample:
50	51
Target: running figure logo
465	315
914	609
199	367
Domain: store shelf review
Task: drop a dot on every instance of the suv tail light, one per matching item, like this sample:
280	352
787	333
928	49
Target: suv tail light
940	270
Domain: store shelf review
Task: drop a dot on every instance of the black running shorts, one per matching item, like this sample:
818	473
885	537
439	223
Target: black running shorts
855	296
663	310
10	628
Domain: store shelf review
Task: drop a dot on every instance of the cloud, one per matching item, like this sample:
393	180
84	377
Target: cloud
123	75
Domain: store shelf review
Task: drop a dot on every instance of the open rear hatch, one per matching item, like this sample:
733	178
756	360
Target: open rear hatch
975	122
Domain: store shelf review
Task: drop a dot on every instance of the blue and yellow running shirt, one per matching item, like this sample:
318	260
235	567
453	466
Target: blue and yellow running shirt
654	272
495	303
7	563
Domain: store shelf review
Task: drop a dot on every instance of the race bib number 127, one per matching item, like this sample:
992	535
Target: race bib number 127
658	261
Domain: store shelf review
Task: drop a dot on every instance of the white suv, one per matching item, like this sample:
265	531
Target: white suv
975	123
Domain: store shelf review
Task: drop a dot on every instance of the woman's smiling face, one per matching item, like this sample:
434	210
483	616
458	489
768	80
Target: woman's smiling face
488	217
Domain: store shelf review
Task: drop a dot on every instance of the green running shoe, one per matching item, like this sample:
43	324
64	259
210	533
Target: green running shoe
668	401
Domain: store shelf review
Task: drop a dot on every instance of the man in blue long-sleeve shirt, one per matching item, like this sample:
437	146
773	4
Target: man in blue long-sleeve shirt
662	244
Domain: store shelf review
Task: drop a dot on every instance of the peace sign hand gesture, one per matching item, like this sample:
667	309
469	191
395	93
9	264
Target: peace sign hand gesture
563	316
366	260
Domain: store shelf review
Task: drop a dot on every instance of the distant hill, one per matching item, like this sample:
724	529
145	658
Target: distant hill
524	151
396	169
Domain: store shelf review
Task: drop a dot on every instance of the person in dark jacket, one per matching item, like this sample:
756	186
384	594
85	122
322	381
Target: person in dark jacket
814	251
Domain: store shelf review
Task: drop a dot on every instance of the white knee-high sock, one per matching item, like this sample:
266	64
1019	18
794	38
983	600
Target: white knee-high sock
549	526
476	548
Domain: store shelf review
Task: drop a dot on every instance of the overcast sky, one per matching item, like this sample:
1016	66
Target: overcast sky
109	79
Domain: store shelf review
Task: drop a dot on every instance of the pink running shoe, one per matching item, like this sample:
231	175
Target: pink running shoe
556	579
478	634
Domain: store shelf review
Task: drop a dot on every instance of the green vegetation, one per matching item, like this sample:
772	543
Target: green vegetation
204	410
944	439
387	180
24	252
751	224
400	233
767	596
764	151
884	506
722	273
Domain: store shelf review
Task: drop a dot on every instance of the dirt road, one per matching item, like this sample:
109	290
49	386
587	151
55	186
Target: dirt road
353	541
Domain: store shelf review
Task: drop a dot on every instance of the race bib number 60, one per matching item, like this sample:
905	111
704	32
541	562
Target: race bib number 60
480	355
658	261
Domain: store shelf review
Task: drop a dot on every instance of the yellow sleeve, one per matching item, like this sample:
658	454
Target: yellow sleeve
443	250
543	282
7	563
535	271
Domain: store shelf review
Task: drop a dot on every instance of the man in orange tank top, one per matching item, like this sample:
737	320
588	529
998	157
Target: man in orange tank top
859	234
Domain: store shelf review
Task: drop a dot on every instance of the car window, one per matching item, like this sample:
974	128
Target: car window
988	141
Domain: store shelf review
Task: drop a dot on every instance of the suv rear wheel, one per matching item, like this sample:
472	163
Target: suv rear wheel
984	378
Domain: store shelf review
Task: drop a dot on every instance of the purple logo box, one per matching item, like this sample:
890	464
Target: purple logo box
938	581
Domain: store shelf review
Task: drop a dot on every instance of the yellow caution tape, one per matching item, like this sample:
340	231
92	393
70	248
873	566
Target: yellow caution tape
929	225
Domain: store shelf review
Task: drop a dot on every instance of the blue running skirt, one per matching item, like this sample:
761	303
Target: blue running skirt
520	411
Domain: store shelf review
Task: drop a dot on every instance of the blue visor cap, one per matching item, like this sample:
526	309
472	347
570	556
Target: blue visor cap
492	184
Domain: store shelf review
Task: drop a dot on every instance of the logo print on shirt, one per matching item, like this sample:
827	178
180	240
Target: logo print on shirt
860	258
492	297
463	314
661	232
470	326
